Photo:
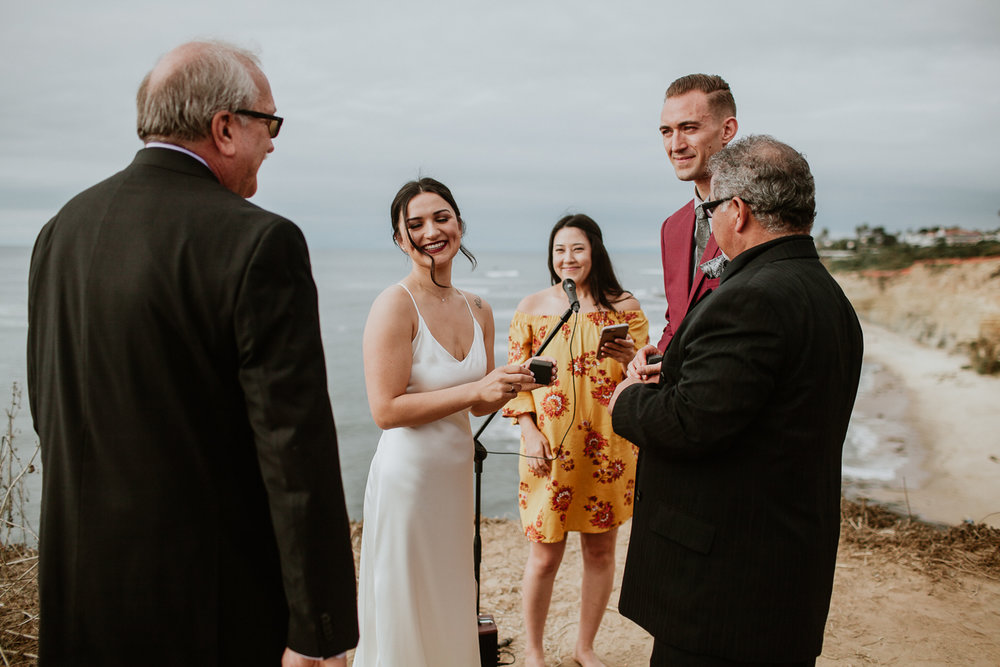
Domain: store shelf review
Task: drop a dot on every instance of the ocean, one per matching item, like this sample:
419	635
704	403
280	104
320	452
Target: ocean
349	280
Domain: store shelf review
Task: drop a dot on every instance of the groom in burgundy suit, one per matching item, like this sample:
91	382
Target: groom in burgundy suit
697	121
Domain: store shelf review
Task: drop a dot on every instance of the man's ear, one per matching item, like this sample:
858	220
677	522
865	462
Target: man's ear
742	215
223	123
729	129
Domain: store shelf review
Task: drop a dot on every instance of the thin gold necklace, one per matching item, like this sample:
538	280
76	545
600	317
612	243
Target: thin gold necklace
436	296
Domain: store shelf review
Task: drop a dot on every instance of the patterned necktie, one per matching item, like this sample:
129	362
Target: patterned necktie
701	231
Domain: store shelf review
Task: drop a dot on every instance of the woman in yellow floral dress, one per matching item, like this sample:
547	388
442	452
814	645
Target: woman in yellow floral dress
576	474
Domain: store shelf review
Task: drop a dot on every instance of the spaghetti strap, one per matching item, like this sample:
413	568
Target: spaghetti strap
413	300
464	298
422	324
467	305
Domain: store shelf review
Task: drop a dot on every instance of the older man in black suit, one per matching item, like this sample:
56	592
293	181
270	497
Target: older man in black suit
192	505
734	537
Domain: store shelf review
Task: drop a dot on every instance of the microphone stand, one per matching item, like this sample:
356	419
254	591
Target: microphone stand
480	455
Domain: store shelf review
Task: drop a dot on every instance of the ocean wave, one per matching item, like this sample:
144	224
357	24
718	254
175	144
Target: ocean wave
867	456
876	474
503	273
861	440
868	372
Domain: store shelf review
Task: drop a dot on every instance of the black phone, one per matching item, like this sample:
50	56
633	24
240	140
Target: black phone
610	333
654	359
542	370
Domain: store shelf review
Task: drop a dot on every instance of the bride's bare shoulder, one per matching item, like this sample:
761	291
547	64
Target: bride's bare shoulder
392	305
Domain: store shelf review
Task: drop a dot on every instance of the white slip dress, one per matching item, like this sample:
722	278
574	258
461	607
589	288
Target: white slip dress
416	589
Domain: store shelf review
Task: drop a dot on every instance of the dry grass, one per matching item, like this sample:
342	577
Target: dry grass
18	564
19	606
939	552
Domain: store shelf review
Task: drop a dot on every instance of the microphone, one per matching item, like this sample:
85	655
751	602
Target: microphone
570	288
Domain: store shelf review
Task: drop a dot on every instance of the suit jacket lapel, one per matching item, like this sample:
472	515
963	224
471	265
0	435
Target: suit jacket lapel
683	236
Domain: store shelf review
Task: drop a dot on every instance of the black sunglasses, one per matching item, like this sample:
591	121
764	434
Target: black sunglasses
710	206
273	122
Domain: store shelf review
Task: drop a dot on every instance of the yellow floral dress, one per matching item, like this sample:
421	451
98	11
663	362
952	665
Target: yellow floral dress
590	484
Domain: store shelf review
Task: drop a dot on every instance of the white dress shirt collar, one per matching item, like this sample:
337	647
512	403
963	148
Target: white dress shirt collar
181	149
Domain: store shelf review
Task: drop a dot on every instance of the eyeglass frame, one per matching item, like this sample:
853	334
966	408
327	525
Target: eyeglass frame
710	206
273	122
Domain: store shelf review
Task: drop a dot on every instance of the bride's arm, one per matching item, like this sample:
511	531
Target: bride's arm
388	356
484	314
485	318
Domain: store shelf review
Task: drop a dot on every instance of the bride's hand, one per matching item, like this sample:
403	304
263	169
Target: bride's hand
505	382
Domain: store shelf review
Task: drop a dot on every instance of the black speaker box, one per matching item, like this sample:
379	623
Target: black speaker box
487	641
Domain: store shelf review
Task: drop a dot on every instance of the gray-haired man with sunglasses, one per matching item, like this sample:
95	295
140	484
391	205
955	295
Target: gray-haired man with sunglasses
192	504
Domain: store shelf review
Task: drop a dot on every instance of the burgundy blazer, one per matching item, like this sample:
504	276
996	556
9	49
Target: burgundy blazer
676	247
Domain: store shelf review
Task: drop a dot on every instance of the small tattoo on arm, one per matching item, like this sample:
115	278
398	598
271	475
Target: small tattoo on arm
479	303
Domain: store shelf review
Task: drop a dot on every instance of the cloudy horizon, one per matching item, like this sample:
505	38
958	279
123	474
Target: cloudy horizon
526	110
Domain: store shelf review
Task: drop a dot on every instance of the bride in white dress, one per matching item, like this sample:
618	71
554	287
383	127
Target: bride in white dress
417	597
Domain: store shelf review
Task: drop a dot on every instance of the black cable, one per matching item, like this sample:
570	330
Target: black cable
504	649
523	456
572	417
572	374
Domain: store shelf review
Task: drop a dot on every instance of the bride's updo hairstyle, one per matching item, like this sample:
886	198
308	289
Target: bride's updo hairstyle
400	204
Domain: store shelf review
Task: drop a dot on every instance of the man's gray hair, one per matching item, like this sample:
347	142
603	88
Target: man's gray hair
181	105
772	177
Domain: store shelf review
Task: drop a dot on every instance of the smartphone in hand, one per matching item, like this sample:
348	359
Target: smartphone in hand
610	333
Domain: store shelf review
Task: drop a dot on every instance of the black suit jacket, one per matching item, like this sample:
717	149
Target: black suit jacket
736	524
192	505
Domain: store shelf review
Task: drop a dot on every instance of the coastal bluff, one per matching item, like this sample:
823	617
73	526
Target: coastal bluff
949	304
932	330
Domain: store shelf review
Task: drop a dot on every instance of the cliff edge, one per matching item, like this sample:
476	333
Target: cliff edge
952	304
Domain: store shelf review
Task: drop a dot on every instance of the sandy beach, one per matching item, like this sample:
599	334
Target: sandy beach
951	416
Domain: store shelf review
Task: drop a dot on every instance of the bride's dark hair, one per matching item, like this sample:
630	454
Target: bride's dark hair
402	201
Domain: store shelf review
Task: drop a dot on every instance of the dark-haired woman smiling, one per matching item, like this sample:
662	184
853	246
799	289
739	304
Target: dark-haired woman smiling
428	354
576	475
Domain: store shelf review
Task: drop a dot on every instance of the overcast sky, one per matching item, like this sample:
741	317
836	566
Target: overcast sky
527	110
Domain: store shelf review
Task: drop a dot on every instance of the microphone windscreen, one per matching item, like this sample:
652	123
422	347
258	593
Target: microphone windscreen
570	288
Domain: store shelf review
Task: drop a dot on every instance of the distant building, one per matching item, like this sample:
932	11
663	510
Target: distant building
951	236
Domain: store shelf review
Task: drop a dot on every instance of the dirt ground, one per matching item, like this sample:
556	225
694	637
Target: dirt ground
903	595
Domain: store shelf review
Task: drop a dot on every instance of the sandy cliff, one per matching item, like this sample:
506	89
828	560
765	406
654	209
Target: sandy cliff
948	304
920	326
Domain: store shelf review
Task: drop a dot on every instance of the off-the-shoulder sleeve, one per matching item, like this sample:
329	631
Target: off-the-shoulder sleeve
638	327
518	351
